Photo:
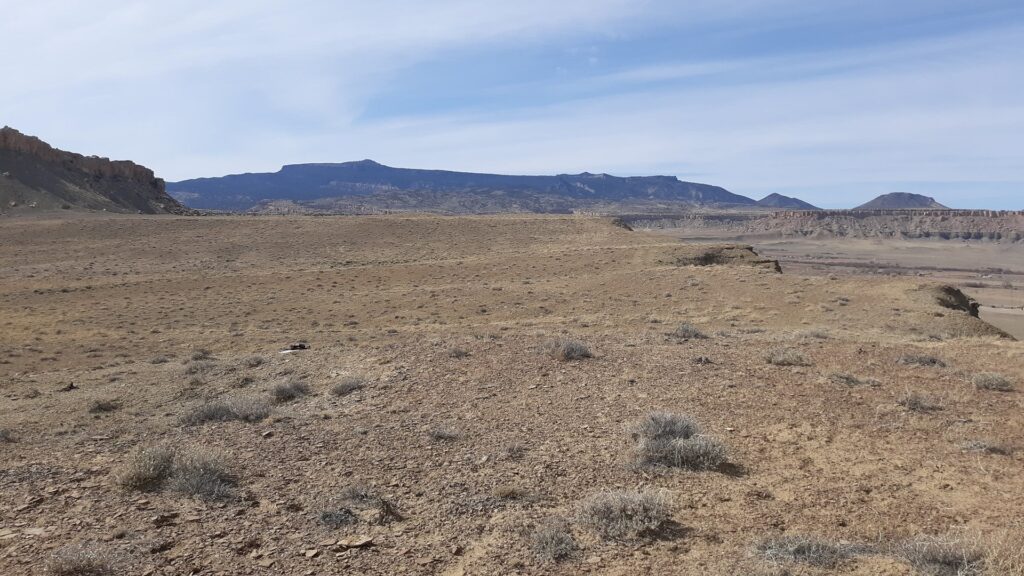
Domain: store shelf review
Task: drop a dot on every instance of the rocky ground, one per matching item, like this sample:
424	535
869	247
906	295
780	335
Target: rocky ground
426	429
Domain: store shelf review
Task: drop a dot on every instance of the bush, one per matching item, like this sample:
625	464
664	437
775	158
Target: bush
146	469
552	541
290	390
254	361
919	360
201	474
786	357
802	549
675	440
949	555
197	367
103	406
246	409
917	402
992	381
348	385
688	331
80	560
623	515
566	350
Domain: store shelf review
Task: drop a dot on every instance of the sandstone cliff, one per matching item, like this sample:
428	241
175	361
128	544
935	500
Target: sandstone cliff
34	174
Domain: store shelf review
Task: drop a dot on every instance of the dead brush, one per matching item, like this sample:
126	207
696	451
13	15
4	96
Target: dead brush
146	469
552	541
625	514
992	381
348	385
367	506
190	471
687	331
675	440
104	406
242	408
918	402
954	554
290	390
786	357
81	560
921	360
804	550
566	349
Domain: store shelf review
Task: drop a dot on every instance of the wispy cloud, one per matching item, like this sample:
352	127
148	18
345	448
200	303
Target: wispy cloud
834	102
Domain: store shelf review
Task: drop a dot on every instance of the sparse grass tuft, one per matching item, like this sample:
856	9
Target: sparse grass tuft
804	550
992	381
667	439
7	436
290	390
566	349
985	447
246	409
786	357
623	514
201	474
851	380
917	402
552	541
443	434
198	367
1004	552
948	555
81	560
146	469
348	385
920	360
254	361
104	406
688	331
201	354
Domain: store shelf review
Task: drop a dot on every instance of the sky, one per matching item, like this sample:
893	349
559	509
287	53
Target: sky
834	102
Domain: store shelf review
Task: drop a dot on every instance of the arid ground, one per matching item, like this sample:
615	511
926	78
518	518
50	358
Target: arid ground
152	423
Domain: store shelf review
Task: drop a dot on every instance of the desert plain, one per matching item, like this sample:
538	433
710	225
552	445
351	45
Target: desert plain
378	395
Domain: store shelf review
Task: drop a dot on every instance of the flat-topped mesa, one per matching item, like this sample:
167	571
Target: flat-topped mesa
909	212
14	141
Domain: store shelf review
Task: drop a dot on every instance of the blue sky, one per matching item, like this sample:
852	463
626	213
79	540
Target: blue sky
834	102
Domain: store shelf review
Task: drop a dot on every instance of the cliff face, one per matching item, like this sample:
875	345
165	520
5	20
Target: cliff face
35	174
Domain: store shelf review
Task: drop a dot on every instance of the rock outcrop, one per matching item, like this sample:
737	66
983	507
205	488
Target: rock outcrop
35	174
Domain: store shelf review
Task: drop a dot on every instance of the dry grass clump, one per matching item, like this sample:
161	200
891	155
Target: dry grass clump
359	503
625	514
443	434
552	541
104	406
946	555
1004	552
189	471
687	331
201	354
803	550
675	440
146	469
348	385
918	402
243	408
921	360
992	381
81	560
290	390
986	447
786	357
201	474
458	353
851	380
254	361
198	367
566	349
7	436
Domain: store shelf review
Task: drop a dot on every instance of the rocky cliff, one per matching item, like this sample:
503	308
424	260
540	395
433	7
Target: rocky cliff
34	174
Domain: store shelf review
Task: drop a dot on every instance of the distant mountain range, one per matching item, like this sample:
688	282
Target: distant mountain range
902	201
323	187
34	174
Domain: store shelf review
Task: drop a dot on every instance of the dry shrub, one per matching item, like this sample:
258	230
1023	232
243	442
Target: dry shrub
243	408
348	385
954	554
992	381
804	550
81	560
786	357
687	331
625	514
201	474
918	402
566	349
552	541
146	469
921	360
290	390
675	440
